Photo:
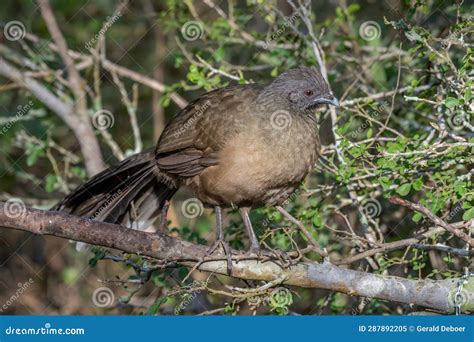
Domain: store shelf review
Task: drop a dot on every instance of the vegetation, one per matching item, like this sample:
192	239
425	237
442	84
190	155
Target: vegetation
404	131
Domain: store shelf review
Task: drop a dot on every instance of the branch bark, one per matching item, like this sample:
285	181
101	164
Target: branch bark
92	153
122	71
435	219
436	295
60	108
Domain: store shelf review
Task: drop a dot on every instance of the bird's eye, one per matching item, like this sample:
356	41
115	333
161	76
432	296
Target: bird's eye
309	93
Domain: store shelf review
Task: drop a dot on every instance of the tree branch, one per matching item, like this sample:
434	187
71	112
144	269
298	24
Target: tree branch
93	155
427	293
435	219
63	110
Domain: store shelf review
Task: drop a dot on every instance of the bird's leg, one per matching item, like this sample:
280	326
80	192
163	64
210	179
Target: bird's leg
164	217
254	245
220	240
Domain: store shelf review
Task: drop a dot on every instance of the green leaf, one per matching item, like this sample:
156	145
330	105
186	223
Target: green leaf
469	214
451	102
418	184
153	309
404	189
99	254
51	181
219	54
34	153
317	220
417	217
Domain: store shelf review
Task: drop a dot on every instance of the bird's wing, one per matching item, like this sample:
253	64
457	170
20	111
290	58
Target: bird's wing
193	138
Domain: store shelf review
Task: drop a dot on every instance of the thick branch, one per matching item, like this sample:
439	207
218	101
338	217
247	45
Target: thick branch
63	110
93	155
427	293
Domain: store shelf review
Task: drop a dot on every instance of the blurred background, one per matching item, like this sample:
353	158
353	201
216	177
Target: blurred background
401	69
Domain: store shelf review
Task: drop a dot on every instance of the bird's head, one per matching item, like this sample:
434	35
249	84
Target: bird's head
302	89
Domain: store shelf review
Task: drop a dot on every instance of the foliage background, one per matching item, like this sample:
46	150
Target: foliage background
401	69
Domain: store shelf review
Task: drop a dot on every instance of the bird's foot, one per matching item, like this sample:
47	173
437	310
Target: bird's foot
276	255
226	248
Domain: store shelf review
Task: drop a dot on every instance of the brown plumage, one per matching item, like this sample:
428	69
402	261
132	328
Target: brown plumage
244	145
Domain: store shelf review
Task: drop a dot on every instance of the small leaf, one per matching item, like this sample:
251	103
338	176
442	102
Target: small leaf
417	217
418	184
469	214
51	181
451	102
219	54
317	220
404	189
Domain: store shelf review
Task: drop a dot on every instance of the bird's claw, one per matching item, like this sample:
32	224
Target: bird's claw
226	248
272	254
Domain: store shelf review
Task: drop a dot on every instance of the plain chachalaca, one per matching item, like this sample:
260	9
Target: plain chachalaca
245	145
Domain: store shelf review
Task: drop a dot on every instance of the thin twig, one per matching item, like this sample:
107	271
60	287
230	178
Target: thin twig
435	219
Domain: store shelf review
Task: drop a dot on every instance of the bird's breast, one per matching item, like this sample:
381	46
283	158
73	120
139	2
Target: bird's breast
259	164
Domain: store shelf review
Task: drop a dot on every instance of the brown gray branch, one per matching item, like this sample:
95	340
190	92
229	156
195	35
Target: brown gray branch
92	155
60	108
435	295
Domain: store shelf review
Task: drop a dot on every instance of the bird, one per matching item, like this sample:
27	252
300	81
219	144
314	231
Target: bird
244	146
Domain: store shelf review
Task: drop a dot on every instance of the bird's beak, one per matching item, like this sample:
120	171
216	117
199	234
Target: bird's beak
327	99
